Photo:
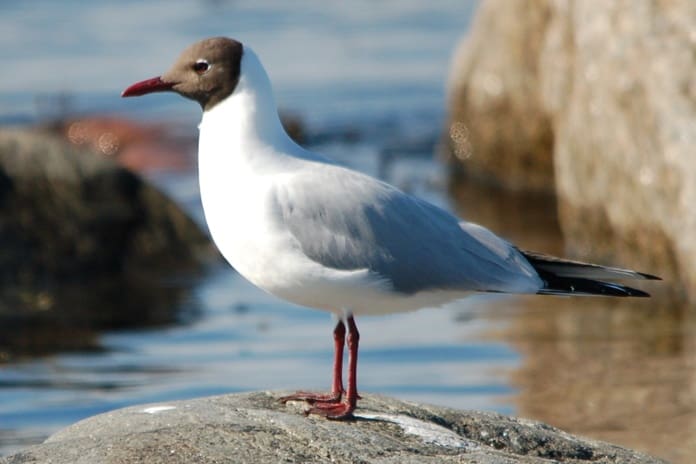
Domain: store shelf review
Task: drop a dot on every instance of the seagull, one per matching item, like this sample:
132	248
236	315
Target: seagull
308	230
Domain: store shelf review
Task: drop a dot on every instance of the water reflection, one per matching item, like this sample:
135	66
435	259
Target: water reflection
71	317
619	370
527	219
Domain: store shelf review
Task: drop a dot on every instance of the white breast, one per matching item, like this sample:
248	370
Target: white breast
234	203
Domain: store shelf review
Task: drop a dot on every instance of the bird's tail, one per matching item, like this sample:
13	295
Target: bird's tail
566	277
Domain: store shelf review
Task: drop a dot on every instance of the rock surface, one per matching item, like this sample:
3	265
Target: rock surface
609	87
255	428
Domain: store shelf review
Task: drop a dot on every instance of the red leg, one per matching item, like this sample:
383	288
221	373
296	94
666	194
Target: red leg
334	397
344	409
339	341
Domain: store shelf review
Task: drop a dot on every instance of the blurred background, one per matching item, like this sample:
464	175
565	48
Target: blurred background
566	127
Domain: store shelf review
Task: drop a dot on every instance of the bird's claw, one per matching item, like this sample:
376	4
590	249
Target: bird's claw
313	398
333	411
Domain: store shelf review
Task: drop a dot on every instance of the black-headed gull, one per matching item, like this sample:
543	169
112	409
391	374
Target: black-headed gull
317	234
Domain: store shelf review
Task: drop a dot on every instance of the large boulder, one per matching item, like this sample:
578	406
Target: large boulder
613	83
498	132
256	428
619	83
85	243
68	213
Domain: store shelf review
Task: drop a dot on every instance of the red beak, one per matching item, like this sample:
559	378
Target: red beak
156	84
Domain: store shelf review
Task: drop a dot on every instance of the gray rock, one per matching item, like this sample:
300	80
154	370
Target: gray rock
255	428
605	92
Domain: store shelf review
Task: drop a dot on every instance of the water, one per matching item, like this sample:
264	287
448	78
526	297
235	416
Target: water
367	78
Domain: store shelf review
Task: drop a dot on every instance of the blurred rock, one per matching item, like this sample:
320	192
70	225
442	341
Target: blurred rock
256	428
498	131
610	87
68	214
75	227
294	126
619	82
138	146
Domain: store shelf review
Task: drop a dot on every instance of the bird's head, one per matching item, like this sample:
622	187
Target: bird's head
207	72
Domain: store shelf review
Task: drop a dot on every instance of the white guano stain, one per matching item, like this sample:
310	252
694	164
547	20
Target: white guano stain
157	409
427	431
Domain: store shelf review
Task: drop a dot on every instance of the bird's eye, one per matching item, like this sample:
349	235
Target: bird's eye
201	66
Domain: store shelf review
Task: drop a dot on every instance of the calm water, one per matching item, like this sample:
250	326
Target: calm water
375	71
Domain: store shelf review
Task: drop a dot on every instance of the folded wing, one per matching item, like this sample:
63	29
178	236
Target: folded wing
349	221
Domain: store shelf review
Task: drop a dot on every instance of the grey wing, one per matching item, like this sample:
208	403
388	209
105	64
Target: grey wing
349	221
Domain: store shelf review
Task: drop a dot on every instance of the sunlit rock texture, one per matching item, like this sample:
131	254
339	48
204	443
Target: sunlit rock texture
605	93
499	132
256	428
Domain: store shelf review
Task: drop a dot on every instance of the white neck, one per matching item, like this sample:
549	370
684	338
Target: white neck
247	120
242	145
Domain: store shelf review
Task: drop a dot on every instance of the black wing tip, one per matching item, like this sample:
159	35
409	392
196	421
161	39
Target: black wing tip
631	293
649	276
554	285
634	292
539	259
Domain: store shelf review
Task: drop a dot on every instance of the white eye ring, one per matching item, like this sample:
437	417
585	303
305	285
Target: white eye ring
201	66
